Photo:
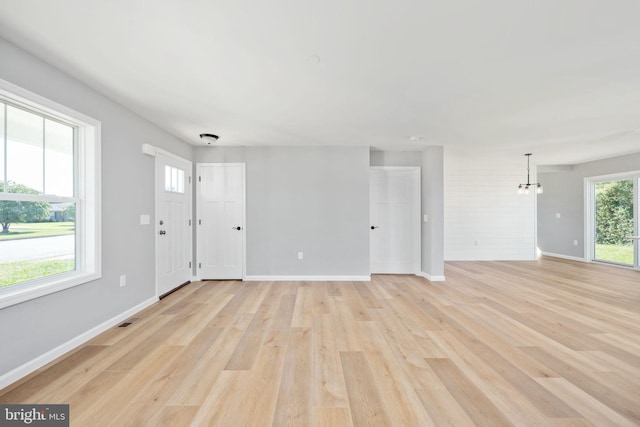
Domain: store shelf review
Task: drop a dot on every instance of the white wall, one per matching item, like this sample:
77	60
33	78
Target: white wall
36	327
485	218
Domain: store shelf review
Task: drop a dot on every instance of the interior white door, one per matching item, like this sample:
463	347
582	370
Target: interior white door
173	222
395	220
220	212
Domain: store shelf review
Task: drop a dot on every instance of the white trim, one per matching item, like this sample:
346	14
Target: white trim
589	224
535	217
37	363
430	277
149	150
169	154
27	98
307	278
43	286
613	176
244	220
572	258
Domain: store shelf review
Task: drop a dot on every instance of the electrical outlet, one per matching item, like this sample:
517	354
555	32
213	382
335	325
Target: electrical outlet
123	280
300	255
575	243
558	215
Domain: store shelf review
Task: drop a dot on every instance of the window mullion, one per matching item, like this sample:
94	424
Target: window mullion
44	157
4	148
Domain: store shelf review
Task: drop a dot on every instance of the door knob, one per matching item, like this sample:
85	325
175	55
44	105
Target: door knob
237	228
373	227
162	232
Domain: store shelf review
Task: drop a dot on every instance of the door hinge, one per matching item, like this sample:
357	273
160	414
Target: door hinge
199	222
189	180
189	264
199	265
189	223
199	179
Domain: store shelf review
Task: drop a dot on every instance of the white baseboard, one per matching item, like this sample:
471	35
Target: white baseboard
37	363
307	278
572	258
430	277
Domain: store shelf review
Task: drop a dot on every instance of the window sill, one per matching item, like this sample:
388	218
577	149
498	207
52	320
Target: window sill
16	294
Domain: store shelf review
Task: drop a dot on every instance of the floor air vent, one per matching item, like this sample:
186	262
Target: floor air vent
128	322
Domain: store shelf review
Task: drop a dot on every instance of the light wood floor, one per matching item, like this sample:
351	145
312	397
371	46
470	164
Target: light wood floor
547	343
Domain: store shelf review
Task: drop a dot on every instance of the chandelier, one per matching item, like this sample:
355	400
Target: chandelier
524	188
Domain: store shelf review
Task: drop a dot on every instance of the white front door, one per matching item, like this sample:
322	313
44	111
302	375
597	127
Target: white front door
172	222
395	220
220	218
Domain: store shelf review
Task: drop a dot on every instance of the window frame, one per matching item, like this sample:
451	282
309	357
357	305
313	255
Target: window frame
87	196
590	220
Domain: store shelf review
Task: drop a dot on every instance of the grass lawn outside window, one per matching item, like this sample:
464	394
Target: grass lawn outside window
21	271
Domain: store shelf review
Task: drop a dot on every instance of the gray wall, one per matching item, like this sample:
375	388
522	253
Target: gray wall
309	199
37	326
396	158
433	207
564	194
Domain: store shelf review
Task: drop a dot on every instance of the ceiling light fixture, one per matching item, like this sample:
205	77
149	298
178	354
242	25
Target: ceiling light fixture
524	188
209	138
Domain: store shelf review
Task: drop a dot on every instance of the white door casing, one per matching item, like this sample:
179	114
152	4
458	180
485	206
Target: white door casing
220	220
172	222
395	220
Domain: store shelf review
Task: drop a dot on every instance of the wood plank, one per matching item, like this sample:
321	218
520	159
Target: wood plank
294	396
347	338
401	402
264	383
279	329
592	409
120	396
220	408
442	407
174	416
331	417
608	396
365	400
327	383
303	310
479	408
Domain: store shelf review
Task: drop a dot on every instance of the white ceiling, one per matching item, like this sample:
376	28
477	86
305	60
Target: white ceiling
560	79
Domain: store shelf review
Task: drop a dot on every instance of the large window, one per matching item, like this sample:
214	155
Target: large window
613	215
49	196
